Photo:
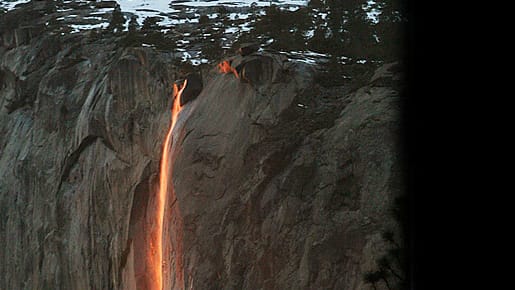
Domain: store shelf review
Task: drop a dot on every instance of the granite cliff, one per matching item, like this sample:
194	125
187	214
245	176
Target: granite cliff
278	182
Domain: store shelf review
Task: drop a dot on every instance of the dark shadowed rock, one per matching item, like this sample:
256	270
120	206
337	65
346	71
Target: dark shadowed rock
105	4
258	69
193	88
248	48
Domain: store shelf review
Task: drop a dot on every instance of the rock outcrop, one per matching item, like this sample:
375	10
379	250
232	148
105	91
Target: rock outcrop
278	182
284	184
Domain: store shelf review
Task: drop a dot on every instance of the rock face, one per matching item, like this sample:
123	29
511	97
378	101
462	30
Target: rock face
285	184
278	182
81	131
193	88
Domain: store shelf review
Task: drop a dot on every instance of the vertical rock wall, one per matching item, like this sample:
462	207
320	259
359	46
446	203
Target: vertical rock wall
279	183
283	184
81	127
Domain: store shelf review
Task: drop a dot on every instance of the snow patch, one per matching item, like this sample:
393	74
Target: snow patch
79	27
10	5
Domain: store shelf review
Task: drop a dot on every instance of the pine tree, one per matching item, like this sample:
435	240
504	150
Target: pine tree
133	25
117	21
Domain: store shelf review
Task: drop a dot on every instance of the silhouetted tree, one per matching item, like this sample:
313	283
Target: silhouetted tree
150	24
151	33
390	28
133	37
203	19
350	28
223	15
133	24
287	28
117	21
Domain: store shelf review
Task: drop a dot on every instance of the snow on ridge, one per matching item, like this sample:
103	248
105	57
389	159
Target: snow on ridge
9	5
159	5
79	27
239	3
148	8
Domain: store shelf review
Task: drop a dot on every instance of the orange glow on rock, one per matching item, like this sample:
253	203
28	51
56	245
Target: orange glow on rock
225	67
156	244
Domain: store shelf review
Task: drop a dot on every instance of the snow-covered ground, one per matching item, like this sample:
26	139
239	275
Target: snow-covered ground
164	5
180	19
9	4
147	8
174	14
163	8
239	3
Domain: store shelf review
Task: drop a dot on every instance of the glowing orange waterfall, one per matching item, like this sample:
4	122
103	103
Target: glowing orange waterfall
156	245
225	67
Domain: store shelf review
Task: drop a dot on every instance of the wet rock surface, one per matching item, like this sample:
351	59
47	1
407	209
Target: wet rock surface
278	181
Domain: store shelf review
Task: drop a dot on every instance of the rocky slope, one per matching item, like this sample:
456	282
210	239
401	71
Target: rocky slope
278	182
